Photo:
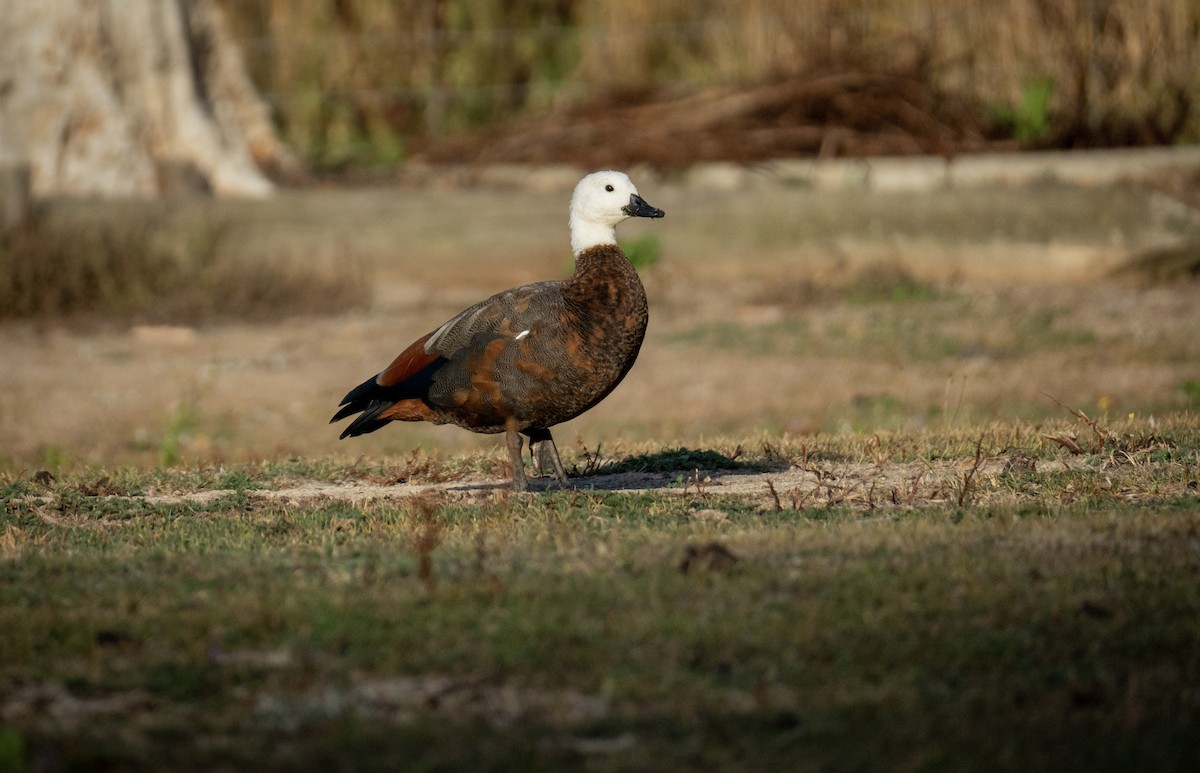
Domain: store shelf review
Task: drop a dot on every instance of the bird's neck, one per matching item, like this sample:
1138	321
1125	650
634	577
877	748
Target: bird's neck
604	287
605	259
586	233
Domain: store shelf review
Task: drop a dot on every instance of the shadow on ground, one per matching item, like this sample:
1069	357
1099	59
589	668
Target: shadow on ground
682	466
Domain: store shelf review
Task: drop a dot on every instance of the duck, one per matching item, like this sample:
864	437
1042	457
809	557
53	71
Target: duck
528	358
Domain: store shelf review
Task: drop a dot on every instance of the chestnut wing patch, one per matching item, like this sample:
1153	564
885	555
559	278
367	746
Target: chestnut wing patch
406	380
408	363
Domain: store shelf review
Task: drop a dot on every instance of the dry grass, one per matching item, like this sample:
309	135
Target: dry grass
368	80
135	265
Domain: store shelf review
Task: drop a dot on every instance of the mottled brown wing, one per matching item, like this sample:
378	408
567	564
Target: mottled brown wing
507	314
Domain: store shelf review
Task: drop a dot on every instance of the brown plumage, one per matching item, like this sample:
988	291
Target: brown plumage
528	358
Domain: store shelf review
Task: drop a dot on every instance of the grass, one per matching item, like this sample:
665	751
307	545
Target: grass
362	82
1029	121
1191	390
138	264
644	252
883	312
1047	618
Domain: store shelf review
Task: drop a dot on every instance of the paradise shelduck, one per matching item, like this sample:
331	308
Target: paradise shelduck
531	357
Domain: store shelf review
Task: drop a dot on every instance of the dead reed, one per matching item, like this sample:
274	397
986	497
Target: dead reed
360	81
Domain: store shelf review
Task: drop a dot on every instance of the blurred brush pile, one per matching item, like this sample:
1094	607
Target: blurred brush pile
372	82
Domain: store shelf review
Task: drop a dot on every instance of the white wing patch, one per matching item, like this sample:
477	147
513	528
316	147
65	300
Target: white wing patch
520	335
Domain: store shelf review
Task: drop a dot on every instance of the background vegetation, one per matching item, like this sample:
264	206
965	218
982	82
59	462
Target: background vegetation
141	263
371	81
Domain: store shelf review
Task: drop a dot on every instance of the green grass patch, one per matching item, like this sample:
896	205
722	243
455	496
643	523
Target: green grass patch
1191	390
911	325
1051	621
887	283
644	252
1029	120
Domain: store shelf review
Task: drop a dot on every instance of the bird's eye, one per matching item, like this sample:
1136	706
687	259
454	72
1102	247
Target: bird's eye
608	188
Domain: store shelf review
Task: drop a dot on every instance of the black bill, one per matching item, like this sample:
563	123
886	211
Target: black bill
637	207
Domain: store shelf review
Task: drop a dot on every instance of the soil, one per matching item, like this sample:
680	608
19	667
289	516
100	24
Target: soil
883	486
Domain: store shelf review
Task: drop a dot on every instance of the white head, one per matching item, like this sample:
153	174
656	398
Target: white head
601	200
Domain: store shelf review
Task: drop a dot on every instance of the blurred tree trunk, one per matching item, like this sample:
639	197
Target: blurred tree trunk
131	98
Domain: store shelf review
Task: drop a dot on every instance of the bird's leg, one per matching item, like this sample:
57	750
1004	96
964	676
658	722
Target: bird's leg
545	453
512	439
535	461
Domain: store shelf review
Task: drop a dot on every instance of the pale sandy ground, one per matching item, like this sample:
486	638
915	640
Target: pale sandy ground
998	479
104	395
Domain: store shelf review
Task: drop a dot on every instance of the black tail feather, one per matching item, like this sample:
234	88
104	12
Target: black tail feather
348	410
363	390
367	421
364	399
369	399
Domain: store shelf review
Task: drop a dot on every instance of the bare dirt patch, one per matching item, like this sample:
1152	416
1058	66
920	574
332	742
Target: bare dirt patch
1000	480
